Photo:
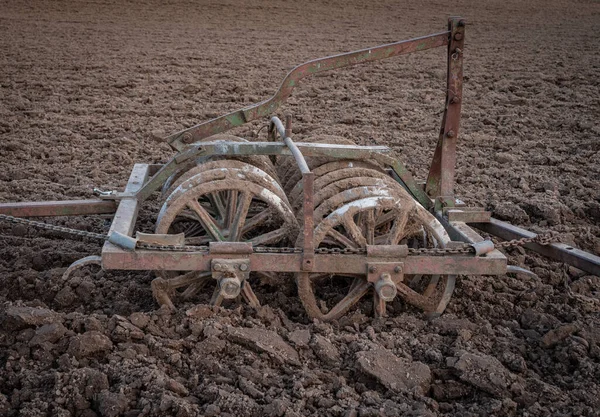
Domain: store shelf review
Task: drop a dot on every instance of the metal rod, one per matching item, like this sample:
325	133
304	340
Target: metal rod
58	208
559	251
221	124
285	133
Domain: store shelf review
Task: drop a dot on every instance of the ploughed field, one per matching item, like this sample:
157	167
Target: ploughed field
87	90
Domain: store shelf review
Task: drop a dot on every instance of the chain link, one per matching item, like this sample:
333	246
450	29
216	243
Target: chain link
54	228
542	239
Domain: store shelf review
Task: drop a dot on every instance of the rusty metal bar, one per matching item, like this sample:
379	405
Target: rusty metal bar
583	260
491	264
440	181
308	226
126	215
58	208
221	124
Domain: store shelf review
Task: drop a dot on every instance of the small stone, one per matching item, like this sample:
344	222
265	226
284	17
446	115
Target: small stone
16	318
505	158
482	371
393	372
300	337
557	335
89	343
139	319
48	333
325	350
200	312
262	340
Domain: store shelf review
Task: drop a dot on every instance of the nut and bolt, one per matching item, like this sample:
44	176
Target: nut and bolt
243	267
450	133
187	138
397	269
372	269
218	267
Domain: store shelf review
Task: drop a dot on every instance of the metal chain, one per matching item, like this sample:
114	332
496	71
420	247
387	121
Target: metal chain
54	228
542	239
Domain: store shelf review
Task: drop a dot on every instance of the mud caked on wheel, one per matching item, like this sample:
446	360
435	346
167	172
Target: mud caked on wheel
359	204
224	200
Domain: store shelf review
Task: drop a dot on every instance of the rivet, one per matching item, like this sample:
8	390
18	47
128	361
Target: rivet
458	36
397	269
450	133
372	269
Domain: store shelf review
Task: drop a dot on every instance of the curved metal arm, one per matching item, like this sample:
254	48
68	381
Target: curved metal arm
221	124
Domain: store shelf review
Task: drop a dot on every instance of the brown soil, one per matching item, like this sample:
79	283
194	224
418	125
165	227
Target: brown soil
86	90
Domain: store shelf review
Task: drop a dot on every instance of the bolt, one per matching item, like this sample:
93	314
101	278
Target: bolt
454	100
458	36
229	288
450	133
243	267
187	138
397	269
372	269
385	288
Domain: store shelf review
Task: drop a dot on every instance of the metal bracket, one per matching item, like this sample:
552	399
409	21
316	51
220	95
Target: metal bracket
385	276
112	195
230	274
467	214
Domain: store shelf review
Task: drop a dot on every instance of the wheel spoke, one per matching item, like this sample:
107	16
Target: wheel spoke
256	221
370	227
196	287
379	305
354	295
217	202
240	217
354	231
271	237
231	206
398	228
342	239
249	295
412	297
207	221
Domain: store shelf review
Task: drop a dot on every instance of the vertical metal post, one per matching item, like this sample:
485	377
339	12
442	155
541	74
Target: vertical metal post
440	182
308	248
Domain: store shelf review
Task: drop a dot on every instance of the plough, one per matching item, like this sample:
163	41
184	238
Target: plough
346	221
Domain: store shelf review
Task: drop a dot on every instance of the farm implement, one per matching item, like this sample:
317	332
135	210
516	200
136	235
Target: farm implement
344	221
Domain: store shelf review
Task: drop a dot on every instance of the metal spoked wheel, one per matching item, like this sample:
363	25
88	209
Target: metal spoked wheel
375	220
236	202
